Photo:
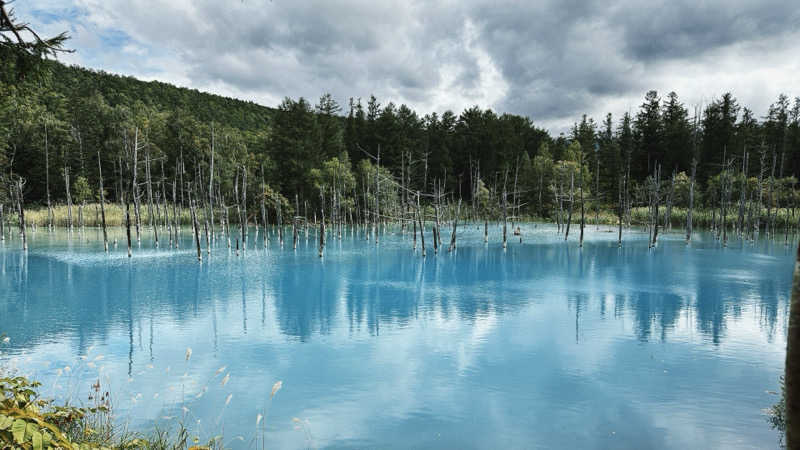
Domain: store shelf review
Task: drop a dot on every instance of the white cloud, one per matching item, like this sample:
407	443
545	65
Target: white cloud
549	60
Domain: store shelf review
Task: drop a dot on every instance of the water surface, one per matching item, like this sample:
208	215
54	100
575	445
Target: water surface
542	345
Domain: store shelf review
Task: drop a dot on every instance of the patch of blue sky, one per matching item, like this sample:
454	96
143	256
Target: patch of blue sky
49	15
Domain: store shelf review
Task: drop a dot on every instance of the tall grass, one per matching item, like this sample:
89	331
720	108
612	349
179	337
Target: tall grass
115	215
95	426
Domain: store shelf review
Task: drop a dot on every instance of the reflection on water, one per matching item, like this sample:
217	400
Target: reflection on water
542	345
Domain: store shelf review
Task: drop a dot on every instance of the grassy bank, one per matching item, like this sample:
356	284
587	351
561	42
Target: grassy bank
115	216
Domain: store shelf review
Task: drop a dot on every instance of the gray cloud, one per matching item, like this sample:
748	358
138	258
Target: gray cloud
551	60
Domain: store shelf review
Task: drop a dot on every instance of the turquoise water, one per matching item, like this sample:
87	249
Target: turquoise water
543	345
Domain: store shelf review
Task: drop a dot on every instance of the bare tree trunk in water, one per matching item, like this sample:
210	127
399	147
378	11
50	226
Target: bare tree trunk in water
21	211
726	183
102	203
264	209
571	201
435	241
69	197
421	226
211	183
620	211
150	214
505	219
244	208
656	198
436	224
294	233
280	222
196	226
770	222
47	179
322	224
583	219
176	225
135	186
691	203
377	194
127	221
742	196
455	225
415	235
80	213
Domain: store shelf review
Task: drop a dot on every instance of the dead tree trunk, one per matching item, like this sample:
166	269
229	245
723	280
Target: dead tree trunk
559	193
127	220
20	183
742	196
770	222
421	226
193	208
294	233
726	185
437	224
322	223
80	213
244	208
656	199
505	218
47	178
135	185
377	194
264	209
150	214
102	203
175	218
69	197
211	183
620	209
163	196
415	235
691	203
455	226
237	198
571	201
583	218
280	222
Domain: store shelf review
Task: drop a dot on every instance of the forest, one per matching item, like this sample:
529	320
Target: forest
154	143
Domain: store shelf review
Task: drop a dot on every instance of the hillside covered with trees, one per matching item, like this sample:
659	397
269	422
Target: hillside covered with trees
60	126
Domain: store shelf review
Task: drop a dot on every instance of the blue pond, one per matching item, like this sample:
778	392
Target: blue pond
543	345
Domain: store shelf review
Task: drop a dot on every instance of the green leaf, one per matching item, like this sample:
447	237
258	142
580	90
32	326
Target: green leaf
36	439
30	429
46	438
5	422
18	430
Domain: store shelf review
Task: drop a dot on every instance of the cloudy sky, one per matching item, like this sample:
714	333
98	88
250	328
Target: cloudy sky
551	60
